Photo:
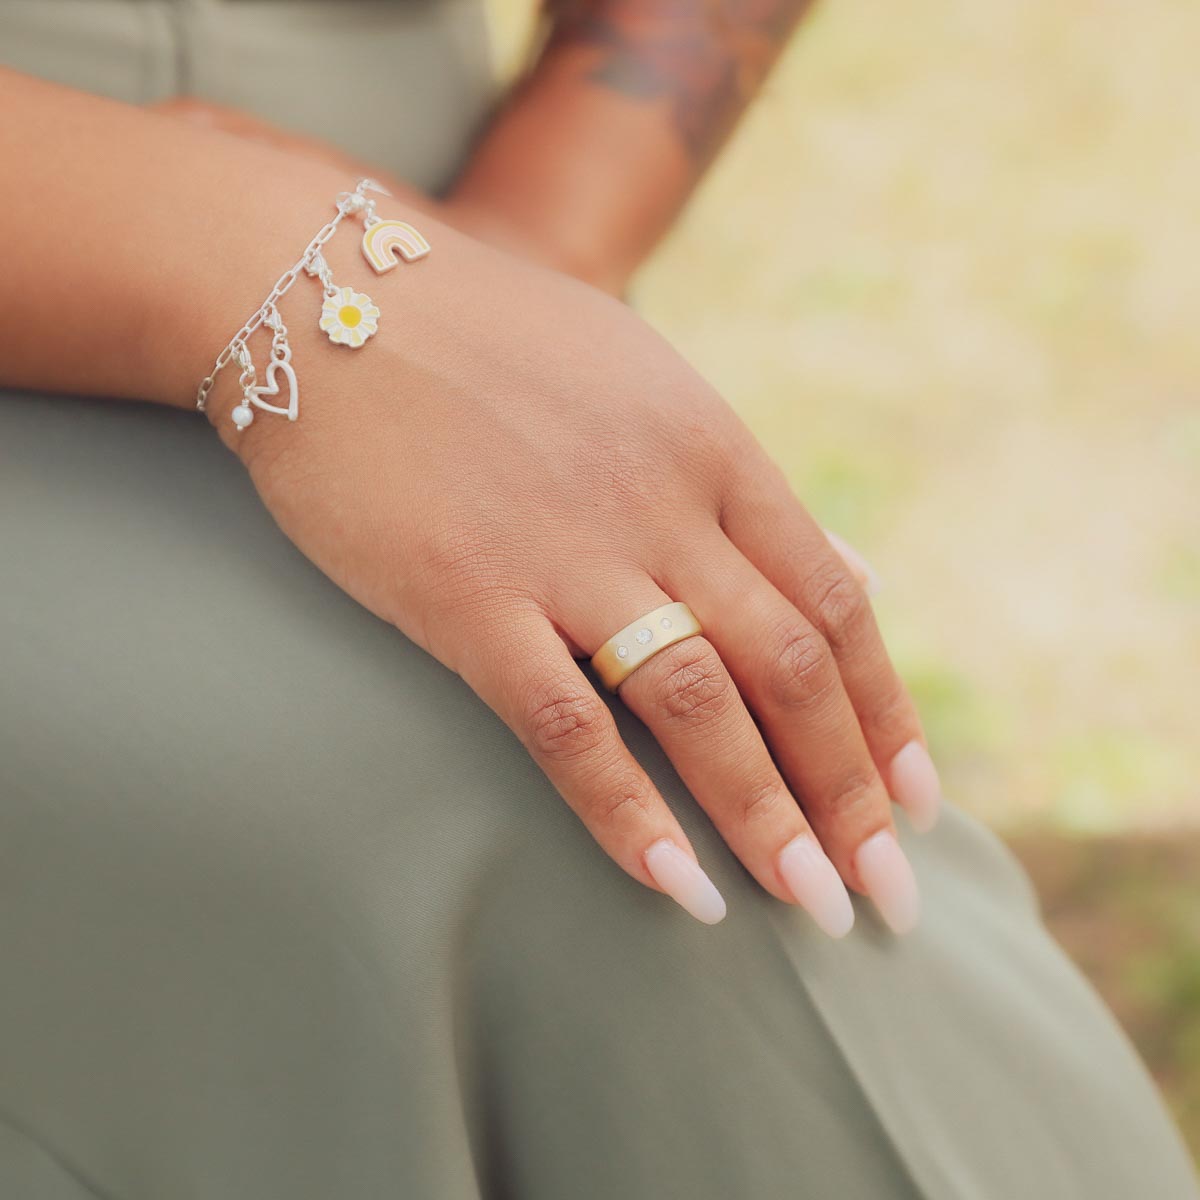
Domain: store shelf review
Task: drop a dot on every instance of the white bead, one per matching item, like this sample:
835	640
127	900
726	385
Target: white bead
643	635
243	415
355	202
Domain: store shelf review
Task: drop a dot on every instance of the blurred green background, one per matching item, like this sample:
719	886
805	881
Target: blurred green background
948	271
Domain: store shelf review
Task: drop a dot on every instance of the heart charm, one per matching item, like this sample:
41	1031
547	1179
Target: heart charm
271	388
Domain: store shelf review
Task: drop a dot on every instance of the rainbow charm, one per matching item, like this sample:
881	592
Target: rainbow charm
385	243
347	316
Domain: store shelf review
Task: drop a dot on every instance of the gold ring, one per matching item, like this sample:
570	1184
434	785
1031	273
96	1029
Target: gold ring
640	641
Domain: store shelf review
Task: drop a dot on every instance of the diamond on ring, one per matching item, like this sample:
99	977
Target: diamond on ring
641	640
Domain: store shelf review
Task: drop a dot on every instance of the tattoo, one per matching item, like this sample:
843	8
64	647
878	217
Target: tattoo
707	58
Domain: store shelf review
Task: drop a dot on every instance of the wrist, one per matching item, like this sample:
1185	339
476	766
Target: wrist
544	242
307	359
247	234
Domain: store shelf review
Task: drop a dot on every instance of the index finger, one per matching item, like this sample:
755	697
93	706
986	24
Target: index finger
531	681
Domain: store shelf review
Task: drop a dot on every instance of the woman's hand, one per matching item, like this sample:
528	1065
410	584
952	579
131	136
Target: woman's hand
514	468
514	465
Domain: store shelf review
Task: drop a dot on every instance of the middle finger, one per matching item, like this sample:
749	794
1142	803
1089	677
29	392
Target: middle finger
789	677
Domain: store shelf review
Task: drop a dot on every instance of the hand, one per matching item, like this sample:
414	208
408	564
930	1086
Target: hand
516	466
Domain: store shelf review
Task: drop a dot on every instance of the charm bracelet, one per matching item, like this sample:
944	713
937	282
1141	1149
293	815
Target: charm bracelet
348	317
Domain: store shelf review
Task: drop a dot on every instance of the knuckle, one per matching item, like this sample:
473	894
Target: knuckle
471	561
565	725
800	669
709	452
761	802
626	804
455	553
858	790
840	607
696	687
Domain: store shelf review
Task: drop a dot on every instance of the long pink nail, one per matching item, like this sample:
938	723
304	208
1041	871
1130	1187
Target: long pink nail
889	880
684	881
815	883
915	785
859	567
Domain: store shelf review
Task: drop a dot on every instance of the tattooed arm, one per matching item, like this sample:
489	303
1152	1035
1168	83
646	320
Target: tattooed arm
597	151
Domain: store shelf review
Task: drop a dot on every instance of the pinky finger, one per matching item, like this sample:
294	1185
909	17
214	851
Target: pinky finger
539	691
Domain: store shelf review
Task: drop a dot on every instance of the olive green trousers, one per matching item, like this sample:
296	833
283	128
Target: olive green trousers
287	914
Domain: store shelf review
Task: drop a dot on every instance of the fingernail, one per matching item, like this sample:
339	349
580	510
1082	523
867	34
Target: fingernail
815	883
859	567
684	881
915	786
889	880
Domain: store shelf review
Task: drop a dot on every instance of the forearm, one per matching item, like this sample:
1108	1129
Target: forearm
599	149
136	245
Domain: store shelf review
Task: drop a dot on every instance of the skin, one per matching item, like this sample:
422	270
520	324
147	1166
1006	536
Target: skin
590	159
597	150
514	467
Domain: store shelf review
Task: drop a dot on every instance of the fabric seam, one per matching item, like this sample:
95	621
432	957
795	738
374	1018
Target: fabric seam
57	1158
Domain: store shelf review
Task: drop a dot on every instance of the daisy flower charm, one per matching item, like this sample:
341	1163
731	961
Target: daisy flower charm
349	317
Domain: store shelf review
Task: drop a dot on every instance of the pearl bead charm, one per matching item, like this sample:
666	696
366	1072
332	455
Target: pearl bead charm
243	415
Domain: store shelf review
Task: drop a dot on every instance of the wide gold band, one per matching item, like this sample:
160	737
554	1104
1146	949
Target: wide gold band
640	641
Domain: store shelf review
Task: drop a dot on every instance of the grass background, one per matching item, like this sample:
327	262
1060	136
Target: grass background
947	270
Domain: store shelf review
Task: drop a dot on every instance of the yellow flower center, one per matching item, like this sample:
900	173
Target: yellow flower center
349	315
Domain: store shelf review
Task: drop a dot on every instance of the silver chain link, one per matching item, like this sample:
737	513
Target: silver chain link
346	204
